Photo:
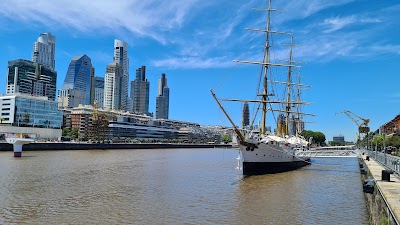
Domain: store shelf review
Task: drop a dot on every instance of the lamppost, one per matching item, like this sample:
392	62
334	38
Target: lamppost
384	139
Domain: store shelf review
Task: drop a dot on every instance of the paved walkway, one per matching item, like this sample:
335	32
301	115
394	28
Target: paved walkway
390	190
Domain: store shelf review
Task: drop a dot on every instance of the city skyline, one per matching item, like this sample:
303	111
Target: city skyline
350	50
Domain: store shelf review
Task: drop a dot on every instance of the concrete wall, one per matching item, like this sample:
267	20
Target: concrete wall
77	146
42	133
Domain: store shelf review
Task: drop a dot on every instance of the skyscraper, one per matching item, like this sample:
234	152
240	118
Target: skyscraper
112	86
121	57
44	50
99	91
245	115
162	99
77	83
140	89
32	78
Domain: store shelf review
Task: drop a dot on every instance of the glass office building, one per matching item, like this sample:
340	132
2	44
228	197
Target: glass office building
31	78
29	111
77	84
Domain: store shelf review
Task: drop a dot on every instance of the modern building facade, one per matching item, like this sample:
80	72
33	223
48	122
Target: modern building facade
44	50
339	138
112	87
245	115
99	91
31	78
30	114
140	92
121	57
162	99
77	84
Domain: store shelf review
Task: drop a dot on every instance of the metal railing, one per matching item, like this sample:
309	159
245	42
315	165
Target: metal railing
388	161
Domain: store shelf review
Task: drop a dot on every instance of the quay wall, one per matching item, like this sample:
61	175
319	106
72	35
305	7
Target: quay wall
380	211
98	146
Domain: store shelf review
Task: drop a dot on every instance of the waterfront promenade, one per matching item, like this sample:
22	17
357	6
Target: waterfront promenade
389	190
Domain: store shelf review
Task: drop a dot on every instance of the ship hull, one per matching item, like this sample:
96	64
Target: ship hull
260	168
270	158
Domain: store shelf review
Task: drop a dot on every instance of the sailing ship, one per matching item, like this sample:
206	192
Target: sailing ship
263	152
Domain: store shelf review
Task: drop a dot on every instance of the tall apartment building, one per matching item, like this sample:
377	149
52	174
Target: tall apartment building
99	91
121	57
162	99
24	76
140	92
77	84
44	50
113	86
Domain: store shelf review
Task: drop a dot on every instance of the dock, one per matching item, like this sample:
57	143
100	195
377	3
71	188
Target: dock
384	202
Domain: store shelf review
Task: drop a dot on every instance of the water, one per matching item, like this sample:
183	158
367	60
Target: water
175	186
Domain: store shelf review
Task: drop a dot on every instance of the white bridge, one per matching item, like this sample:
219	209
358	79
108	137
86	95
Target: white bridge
331	152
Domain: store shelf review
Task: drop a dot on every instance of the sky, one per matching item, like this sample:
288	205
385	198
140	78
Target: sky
350	50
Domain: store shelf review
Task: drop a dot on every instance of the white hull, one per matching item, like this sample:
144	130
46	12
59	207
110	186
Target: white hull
270	158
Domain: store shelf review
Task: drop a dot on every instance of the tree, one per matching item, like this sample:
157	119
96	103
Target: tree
99	127
226	138
74	133
317	137
66	132
377	141
336	143
1	120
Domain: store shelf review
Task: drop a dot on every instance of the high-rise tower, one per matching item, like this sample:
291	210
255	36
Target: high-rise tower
245	115
77	83
44	50
112	86
121	57
162	99
31	78
99	91
140	89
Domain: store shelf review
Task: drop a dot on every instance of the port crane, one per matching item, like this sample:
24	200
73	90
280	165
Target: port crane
361	123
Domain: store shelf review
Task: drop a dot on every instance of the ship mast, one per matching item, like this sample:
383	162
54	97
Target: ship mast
289	81
265	71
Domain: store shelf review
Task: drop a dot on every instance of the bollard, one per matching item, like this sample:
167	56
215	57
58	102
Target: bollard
386	175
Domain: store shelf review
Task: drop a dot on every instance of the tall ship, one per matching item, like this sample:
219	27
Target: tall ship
261	151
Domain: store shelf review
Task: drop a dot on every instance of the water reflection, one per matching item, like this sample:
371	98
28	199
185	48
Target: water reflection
192	186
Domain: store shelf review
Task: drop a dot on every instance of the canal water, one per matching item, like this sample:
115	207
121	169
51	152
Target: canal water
173	186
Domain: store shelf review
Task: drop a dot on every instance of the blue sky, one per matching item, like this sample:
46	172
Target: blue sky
351	49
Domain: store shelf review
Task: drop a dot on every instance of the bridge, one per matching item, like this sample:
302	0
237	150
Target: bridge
331	152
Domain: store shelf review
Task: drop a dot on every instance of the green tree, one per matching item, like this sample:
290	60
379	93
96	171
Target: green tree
317	137
336	143
66	132
226	138
377	141
74	133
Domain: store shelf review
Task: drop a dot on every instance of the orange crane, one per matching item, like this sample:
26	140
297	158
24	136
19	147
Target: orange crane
361	123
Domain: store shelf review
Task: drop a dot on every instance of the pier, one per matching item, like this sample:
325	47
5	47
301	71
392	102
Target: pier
384	201
17	144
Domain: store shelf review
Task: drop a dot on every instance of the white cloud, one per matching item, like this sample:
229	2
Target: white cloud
146	18
337	23
193	63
